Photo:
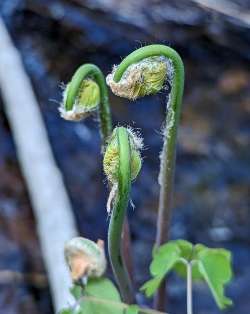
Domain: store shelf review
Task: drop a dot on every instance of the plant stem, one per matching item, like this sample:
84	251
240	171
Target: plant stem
167	167
127	250
189	289
114	304
92	71
118	215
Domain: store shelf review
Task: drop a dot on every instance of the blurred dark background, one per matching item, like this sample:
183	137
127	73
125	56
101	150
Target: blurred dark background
212	191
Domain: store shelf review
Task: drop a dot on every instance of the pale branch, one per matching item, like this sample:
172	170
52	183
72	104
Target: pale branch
51	205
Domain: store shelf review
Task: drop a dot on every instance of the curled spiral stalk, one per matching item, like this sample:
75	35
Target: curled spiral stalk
122	163
87	93
141	73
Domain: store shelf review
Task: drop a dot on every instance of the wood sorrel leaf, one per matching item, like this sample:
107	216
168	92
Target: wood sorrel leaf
211	265
99	295
188	253
215	267
150	287
164	260
133	309
102	289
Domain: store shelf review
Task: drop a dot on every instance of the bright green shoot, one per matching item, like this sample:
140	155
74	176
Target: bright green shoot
195	262
141	73
121	163
86	93
147	65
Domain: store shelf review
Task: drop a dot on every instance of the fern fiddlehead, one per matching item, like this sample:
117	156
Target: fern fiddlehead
141	73
85	93
122	163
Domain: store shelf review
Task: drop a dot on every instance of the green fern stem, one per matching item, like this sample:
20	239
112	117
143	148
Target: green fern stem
92	71
115	236
168	155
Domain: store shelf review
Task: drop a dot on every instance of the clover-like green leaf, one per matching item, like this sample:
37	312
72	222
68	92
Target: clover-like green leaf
133	309
210	265
189	253
103	289
215	267
185	247
150	287
164	259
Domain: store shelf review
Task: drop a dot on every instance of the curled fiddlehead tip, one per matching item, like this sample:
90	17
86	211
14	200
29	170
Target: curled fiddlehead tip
111	156
143	78
85	102
85	258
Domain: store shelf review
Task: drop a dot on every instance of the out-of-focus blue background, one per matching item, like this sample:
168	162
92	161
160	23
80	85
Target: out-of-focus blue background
212	190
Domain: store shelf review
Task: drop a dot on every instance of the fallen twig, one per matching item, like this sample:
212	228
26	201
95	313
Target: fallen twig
54	218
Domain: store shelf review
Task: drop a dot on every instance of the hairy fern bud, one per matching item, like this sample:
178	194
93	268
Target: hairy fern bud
85	258
140	79
87	101
111	156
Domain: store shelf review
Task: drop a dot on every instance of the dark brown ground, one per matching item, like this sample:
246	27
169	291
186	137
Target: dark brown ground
213	160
